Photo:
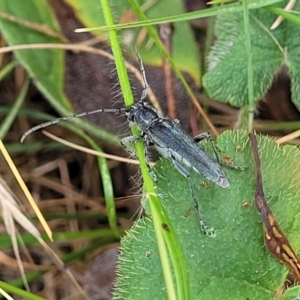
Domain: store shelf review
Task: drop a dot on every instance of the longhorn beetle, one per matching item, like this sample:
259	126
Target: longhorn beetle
167	138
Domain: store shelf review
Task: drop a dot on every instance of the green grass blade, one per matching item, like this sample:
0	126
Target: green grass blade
209	12
18	291
251	102
5	125
148	184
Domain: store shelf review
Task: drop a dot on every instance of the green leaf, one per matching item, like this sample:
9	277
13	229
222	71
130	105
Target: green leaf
271	50
235	264
184	50
47	66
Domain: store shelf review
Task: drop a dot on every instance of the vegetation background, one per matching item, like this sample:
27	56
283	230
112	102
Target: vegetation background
225	57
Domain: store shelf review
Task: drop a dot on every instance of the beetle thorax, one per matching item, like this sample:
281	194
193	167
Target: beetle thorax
143	116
